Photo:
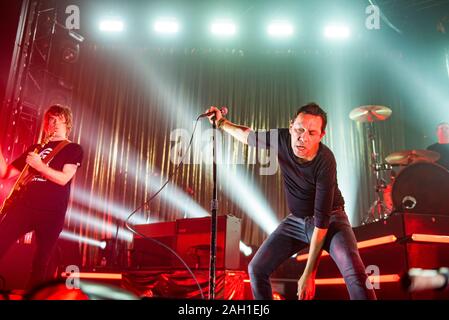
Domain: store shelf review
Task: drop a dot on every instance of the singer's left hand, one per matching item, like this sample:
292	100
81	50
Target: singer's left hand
35	161
306	287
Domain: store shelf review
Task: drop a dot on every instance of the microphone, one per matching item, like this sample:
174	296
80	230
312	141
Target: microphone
223	111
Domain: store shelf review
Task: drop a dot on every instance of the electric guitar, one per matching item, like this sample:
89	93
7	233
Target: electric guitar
25	176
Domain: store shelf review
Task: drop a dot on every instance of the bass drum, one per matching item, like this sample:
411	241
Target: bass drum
422	187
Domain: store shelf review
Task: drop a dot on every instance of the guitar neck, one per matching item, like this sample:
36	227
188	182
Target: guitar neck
26	168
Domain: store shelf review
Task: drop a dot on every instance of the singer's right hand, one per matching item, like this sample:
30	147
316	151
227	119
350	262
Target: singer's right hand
218	115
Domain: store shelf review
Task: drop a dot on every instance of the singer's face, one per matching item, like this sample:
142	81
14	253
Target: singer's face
306	135
55	125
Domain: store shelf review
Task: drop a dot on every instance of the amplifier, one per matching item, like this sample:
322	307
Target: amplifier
193	243
190	239
147	253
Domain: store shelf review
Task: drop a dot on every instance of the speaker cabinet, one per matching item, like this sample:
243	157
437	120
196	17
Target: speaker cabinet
147	253
194	236
190	239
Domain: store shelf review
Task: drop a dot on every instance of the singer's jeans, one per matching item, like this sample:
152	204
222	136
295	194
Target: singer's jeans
47	226
294	234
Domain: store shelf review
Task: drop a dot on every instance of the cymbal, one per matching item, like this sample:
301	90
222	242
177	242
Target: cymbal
407	157
370	113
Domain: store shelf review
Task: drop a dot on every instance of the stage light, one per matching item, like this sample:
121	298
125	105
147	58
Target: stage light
103	244
280	29
246	250
70	52
77	238
430	238
243	192
94	202
181	200
223	28
360	245
277	296
99	224
166	26
93	275
112	25
388	278
337	32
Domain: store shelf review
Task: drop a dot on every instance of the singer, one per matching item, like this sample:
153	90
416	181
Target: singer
317	218
41	202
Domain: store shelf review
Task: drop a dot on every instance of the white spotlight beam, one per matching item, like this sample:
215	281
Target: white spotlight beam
111	25
280	29
337	32
166	26
249	199
223	28
447	63
257	208
246	250
67	235
98	224
183	202
92	201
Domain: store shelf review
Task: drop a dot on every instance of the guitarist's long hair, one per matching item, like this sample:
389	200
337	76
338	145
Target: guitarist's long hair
59	110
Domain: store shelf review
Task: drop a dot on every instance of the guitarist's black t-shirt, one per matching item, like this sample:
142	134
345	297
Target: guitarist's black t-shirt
41	193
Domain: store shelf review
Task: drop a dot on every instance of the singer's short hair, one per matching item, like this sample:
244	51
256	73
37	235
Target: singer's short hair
59	110
315	110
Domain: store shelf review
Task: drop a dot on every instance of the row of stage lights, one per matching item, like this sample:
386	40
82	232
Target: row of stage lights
226	28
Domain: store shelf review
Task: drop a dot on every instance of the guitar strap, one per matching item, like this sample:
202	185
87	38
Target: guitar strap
55	151
47	159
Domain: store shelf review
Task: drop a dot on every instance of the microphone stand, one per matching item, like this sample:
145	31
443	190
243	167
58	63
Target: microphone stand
214	209
115	254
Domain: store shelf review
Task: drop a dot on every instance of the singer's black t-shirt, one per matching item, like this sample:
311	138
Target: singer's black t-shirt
41	193
311	188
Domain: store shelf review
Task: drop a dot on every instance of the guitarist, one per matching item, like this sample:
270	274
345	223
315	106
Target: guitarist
41	204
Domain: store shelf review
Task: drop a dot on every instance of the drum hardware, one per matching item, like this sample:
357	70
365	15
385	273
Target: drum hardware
382	167
422	188
370	114
408	202
407	157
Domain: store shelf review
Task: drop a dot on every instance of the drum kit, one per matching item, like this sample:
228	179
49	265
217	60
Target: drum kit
420	183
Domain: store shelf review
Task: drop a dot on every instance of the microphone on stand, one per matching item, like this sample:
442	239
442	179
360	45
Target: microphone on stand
223	111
